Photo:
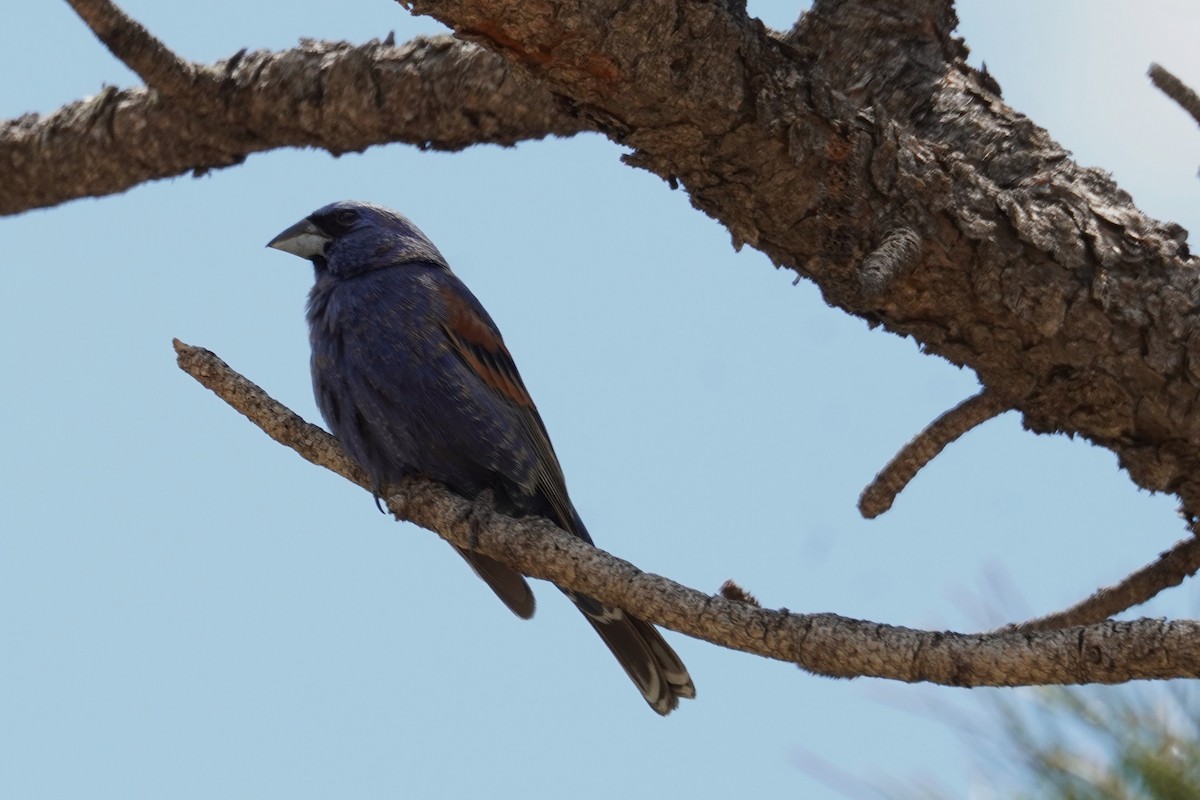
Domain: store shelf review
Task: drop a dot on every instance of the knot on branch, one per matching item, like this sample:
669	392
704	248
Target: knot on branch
894	257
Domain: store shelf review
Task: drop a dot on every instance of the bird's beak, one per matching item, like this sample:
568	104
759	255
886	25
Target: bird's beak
303	239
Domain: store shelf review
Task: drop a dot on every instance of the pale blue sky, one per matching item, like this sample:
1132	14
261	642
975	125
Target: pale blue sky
190	611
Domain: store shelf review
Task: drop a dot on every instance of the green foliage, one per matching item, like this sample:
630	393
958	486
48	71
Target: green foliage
1100	743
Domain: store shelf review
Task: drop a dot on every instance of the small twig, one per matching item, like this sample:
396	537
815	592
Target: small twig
137	48
924	447
1176	89
889	261
1169	569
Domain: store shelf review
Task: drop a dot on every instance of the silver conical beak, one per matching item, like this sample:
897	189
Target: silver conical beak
303	239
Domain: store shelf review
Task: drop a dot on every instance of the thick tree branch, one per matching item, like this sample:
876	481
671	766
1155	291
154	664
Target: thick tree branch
860	132
819	146
1169	569
437	93
822	643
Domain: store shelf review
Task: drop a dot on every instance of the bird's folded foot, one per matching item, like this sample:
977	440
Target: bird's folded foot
478	516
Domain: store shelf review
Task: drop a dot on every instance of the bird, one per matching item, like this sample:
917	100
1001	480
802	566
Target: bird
413	377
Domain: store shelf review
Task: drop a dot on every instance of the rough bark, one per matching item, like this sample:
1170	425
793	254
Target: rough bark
432	92
820	146
861	127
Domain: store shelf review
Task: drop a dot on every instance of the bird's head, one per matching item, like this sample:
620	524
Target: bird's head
350	237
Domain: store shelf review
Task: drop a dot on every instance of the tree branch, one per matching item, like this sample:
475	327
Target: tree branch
1176	89
137	48
924	447
436	93
859	149
819	146
825	644
1169	569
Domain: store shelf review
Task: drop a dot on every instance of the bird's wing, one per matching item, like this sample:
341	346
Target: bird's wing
475	340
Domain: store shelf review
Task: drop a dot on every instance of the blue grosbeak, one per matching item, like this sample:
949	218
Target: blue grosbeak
413	378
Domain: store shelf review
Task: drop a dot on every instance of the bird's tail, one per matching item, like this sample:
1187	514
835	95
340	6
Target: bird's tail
646	657
508	584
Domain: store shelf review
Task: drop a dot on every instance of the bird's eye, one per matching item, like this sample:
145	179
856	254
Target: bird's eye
346	217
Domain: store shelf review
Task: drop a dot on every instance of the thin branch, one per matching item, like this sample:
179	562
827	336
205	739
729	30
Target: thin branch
826	644
1169	569
1176	89
432	92
137	48
924	447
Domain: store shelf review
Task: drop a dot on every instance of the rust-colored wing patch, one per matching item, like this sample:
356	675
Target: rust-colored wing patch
482	349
